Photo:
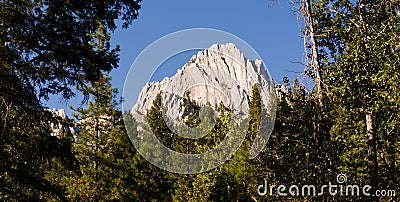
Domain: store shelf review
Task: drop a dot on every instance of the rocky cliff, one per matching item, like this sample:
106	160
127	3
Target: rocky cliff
219	73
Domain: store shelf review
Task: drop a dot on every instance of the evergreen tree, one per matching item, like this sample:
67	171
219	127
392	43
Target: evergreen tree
47	47
356	48
359	45
290	154
103	150
194	187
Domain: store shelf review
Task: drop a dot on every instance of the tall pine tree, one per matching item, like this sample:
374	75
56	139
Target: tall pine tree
103	150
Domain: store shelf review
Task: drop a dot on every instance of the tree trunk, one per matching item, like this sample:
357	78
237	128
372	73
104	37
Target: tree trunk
321	136
309	30
372	156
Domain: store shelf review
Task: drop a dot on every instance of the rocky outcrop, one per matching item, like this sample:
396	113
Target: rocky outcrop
220	73
61	127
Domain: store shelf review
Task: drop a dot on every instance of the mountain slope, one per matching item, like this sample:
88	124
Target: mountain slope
220	73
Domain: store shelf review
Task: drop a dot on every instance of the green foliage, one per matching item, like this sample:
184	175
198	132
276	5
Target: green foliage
293	154
255	107
48	47
224	183
191	111
152	183
158	126
28	152
358	47
59	44
103	150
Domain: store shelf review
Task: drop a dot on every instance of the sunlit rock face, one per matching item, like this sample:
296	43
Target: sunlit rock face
58	128
220	73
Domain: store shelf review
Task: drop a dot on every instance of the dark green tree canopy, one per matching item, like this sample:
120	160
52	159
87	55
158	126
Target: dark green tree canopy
51	45
48	47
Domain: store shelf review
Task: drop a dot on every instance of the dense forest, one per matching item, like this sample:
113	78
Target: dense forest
348	123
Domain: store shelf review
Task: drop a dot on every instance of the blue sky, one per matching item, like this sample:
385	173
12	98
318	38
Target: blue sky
270	28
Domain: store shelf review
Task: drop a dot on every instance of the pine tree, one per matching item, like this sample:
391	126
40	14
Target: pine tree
358	47
47	48
103	150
